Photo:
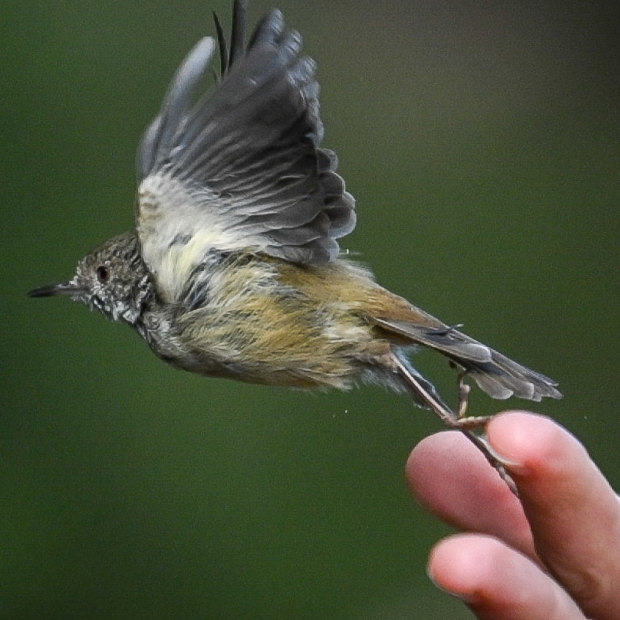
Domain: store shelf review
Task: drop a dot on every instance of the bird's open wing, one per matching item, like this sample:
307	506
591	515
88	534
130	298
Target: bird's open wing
240	167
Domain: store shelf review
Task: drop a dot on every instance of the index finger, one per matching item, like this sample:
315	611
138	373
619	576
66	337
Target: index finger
573	512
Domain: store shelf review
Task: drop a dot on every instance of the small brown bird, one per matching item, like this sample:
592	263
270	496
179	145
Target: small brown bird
234	268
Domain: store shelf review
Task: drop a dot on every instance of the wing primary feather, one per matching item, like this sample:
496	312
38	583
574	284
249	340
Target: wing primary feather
181	92
256	92
268	30
158	140
237	39
223	47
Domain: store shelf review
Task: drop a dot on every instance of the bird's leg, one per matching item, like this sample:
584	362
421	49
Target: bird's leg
456	419
483	445
463	420
463	396
480	441
427	396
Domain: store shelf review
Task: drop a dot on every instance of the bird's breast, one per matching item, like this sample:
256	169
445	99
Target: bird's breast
267	321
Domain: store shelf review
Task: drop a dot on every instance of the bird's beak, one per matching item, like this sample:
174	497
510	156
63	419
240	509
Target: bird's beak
70	289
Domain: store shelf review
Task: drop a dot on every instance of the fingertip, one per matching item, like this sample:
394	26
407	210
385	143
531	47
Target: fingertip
431	457
451	478
530	442
444	470
495	580
460	564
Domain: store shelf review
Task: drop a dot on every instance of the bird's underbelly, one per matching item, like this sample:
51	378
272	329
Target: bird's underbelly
294	346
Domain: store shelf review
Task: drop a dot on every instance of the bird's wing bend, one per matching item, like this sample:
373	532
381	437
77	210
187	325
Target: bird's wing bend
241	166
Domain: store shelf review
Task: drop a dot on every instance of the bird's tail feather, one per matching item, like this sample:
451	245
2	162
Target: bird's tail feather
496	374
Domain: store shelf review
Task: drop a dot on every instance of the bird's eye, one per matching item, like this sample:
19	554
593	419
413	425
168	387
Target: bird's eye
103	273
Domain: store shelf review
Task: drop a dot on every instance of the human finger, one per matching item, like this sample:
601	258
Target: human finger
452	479
572	510
497	582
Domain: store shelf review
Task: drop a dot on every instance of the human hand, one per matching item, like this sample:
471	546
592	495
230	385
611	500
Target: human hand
554	553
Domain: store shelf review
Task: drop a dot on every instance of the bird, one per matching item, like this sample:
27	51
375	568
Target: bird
234	267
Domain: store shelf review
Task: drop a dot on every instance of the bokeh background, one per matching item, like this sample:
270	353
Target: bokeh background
482	143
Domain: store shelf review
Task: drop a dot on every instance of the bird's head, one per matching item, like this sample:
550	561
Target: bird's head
112	279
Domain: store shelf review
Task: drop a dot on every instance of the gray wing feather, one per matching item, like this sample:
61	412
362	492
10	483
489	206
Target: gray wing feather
247	153
158	138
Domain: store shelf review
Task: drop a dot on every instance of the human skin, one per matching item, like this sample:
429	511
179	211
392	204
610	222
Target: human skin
553	553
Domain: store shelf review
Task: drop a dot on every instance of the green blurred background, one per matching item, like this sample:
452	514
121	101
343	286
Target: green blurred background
482	143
